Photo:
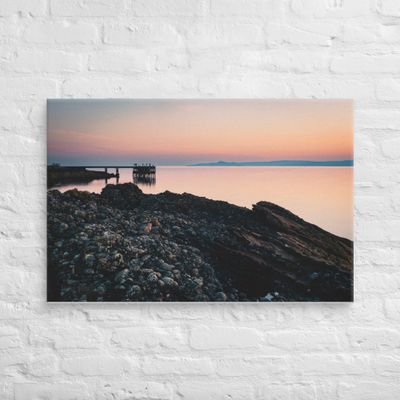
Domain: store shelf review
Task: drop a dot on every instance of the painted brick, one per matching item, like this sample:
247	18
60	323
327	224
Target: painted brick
214	49
22	7
121	61
174	8
207	338
94	366
388	89
148	337
343	8
322	364
367	390
251	366
61	32
28	88
163	365
44	364
134	390
387	365
9	338
390	148
225	34
46	391
380	230
378	119
219	390
317	34
142	35
354	63
88	8
389	8
60	336
37	61
359	90
252	8
374	338
293	340
380	256
392	308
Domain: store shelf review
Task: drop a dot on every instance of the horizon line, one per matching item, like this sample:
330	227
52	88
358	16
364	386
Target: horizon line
211	163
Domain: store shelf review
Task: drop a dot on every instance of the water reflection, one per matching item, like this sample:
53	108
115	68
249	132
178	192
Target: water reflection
138	179
147	180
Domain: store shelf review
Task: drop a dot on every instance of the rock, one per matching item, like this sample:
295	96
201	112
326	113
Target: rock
147	227
124	196
100	290
147	270
89	260
267	297
102	262
88	271
198	281
220	296
169	281
161	283
152	277
134	291
314	276
63	227
122	275
166	267
119	258
112	247
155	222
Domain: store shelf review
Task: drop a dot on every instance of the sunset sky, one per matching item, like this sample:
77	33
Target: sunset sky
181	132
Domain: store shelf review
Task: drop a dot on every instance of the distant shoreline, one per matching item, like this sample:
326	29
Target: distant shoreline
234	164
277	163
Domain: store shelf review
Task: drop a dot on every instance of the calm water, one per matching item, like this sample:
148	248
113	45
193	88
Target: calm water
320	195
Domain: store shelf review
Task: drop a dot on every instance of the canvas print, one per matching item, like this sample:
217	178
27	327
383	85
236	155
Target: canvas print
155	200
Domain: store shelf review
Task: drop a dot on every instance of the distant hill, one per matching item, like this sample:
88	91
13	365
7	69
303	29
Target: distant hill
278	163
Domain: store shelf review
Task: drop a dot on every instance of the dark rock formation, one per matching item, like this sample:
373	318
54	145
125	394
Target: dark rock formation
126	196
123	245
57	175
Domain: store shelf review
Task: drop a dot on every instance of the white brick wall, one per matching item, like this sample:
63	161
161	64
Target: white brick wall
199	48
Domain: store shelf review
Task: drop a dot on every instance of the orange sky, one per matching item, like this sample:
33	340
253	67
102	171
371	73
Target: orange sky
176	132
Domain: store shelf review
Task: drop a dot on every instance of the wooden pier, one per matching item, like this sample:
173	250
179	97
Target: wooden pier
139	170
144	174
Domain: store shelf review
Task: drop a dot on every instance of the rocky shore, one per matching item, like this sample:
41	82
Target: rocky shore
123	245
